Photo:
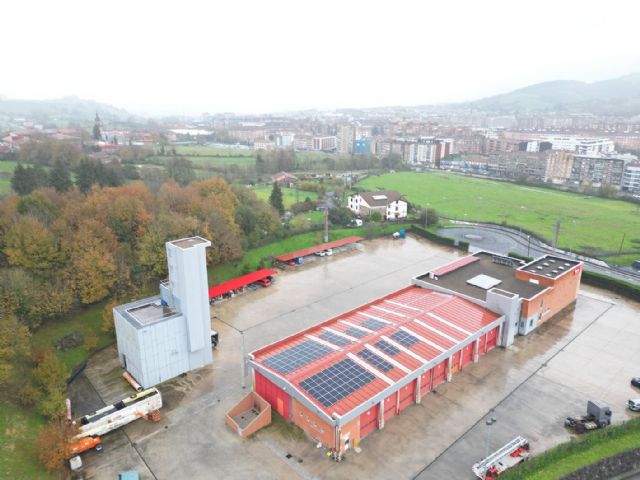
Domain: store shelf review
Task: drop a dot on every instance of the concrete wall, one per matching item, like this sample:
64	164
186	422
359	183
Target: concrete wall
164	351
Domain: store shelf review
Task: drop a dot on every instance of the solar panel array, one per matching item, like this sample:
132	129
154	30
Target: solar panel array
375	360
404	338
387	348
355	332
373	324
337	382
297	356
335	339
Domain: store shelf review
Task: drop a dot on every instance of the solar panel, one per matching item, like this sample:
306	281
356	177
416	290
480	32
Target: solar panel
335	339
373	324
375	360
337	382
354	332
295	357
387	348
404	338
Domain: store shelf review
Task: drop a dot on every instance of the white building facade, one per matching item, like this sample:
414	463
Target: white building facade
389	204
164	336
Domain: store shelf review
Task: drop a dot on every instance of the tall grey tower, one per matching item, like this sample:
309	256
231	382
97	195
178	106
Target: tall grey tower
163	336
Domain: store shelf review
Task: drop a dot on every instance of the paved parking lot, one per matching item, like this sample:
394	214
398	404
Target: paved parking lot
586	352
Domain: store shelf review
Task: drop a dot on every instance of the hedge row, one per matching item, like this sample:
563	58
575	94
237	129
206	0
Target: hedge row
519	256
433	236
626	289
462	245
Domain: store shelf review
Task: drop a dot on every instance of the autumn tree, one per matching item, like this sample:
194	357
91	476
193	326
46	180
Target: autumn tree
14	341
52	444
31	245
50	375
91	265
275	199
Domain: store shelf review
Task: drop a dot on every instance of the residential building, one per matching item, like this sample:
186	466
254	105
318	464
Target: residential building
161	337
284	179
597	169
324	144
631	177
346	137
389	204
262	144
559	165
580	145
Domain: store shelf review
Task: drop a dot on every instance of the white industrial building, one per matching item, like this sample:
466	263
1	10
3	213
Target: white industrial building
163	336
389	204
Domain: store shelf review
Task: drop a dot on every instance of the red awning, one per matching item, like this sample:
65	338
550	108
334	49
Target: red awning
450	267
226	287
317	248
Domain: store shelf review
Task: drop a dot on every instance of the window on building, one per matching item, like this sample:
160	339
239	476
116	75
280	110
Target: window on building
531	323
542	303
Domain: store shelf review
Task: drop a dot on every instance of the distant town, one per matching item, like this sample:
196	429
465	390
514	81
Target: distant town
582	152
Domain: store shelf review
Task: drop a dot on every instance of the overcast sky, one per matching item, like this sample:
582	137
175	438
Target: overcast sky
159	57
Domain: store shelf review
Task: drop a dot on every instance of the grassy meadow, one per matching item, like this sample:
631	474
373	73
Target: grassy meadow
589	224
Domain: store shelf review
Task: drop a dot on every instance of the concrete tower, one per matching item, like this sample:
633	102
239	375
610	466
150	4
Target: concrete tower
163	336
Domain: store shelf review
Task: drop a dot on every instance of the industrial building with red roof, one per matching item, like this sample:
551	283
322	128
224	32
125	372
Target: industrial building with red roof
344	378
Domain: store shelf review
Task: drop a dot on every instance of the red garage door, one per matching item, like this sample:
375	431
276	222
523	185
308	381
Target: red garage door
467	354
492	338
368	421
425	382
390	406
455	361
439	373
407	395
279	400
481	344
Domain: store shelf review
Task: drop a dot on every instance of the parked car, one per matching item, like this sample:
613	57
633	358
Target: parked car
324	253
635	381
264	282
634	404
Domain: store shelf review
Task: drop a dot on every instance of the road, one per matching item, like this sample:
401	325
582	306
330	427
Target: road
501	240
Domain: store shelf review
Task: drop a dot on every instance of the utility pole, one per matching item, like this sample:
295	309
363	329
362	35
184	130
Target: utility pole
326	224
621	242
557	234
528	245
243	362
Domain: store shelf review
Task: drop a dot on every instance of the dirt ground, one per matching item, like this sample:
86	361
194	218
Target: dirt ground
587	351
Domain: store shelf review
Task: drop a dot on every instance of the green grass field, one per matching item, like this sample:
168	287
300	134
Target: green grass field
18	430
212	150
5	186
7	166
229	270
590	224
87	322
204	162
289	195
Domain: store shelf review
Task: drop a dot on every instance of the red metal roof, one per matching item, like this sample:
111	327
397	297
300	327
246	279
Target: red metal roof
440	322
317	248
450	267
242	281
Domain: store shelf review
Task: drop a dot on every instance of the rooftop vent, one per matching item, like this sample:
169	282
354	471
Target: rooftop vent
545	264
